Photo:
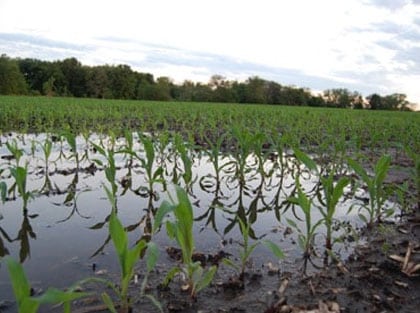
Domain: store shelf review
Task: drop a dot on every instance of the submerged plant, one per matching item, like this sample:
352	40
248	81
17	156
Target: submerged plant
181	229
375	187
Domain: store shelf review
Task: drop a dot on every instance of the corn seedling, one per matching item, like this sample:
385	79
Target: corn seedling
26	303
71	141
14	149
181	229
306	239
375	187
127	259
20	175
248	249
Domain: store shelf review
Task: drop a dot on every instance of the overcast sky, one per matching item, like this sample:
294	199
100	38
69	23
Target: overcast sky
364	45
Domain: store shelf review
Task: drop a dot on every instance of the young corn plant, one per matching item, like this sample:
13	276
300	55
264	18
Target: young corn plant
248	248
20	175
186	160
14	149
71	140
332	193
306	239
375	187
181	229
127	259
30	304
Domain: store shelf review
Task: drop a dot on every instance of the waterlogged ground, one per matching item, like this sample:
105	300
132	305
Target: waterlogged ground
62	237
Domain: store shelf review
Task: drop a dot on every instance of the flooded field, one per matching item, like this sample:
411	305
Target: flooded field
56	211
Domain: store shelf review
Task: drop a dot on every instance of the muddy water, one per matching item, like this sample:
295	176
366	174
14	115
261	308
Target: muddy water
62	237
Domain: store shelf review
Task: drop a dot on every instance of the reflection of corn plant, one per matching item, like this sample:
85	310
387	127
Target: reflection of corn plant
245	141
3	190
22	291
376	190
306	239
20	175
110	169
247	249
182	231
46	147
214	155
153	176
186	160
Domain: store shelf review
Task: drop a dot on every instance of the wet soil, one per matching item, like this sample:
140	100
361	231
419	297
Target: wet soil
381	275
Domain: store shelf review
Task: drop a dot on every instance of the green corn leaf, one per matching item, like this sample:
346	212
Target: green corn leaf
171	274
99	149
184	225
152	256
363	218
339	190
275	249
155	302
163	210
381	169
132	256
120	240
108	302
230	263
171	230
359	170
20	284
292	223
55	296
305	159
207	278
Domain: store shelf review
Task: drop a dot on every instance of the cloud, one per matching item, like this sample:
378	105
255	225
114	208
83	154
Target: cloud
391	4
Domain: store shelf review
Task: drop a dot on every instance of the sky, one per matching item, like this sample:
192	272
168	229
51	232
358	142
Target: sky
369	46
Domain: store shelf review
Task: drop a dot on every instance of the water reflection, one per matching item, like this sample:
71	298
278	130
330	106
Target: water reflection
249	185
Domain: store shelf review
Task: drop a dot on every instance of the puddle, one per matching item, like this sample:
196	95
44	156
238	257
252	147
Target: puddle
64	231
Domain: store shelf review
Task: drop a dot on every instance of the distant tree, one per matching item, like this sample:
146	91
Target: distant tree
97	82
255	90
396	101
316	101
122	82
375	101
11	79
75	76
274	93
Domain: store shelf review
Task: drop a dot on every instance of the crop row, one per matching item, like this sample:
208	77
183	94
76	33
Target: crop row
240	158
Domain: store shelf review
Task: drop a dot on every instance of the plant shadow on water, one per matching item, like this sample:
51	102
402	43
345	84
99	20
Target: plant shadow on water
56	216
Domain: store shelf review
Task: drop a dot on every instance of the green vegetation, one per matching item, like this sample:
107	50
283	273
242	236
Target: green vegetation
309	160
70	78
181	229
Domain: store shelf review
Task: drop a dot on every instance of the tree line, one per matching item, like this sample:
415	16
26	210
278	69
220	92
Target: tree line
69	77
